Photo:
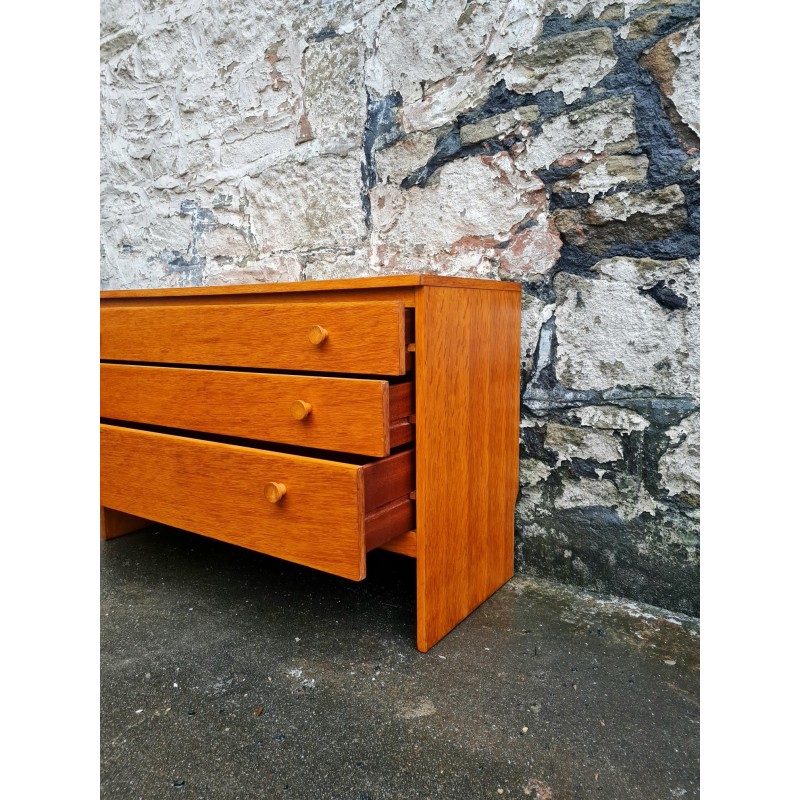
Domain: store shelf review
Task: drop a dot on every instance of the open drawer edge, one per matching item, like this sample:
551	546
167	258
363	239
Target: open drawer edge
330	514
349	415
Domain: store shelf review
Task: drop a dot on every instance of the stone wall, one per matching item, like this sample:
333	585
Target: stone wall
550	142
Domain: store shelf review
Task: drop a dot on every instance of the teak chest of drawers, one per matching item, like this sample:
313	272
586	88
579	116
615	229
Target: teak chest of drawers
315	421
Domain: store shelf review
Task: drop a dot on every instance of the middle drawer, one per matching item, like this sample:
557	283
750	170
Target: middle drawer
349	415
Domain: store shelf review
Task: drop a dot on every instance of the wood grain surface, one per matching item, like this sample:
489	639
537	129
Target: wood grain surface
382	525
239	295
380	282
366	338
218	490
405	544
449	502
467	444
116	523
346	414
388	479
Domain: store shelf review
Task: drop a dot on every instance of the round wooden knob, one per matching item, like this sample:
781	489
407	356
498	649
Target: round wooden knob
274	491
300	409
317	334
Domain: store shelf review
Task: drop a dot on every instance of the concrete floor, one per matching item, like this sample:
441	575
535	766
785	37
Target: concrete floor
227	674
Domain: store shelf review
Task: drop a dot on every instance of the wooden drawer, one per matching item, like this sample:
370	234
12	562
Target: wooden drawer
331	514
344	414
367	338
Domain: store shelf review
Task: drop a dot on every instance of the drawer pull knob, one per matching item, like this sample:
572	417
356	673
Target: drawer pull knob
317	334
274	491
300	409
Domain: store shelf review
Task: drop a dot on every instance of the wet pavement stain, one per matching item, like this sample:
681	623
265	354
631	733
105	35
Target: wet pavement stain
543	692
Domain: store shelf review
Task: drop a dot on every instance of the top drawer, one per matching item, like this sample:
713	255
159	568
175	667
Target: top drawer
366	338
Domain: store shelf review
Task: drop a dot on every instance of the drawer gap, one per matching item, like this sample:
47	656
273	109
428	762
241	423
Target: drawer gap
391	379
410	339
276	447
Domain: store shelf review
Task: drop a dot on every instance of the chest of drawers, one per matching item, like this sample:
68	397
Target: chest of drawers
316	421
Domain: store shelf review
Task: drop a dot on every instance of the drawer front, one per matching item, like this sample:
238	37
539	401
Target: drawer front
232	493
343	414
365	338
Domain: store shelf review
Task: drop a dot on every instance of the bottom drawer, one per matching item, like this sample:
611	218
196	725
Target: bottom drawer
323	514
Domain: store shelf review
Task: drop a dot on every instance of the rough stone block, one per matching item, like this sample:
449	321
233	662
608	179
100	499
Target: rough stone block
395	163
121	269
116	15
335	266
535	312
570	442
567	64
532	251
601	175
308	204
644	25
223	242
335	96
419	43
611	418
680	465
674	63
237	151
264	269
460	214
587	492
169	233
610	334
520	25
642	272
607	125
497	125
624	218
444	100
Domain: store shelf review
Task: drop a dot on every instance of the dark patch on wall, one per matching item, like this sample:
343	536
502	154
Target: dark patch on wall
381	127
322	35
532	445
447	147
380	130
179	262
189	265
642	558
543	290
576	261
657	137
501	99
665	296
651	557
682	244
660	411
367	180
558	25
582	468
690	185
568	199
